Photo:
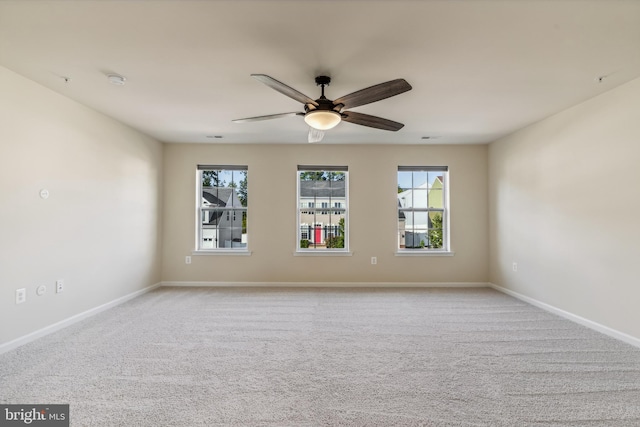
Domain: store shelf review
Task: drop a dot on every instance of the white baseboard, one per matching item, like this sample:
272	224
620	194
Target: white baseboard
331	284
8	346
573	317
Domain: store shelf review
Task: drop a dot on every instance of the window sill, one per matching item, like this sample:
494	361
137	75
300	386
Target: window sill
424	253
222	252
322	253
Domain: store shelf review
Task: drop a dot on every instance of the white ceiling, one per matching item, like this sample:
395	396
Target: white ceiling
479	69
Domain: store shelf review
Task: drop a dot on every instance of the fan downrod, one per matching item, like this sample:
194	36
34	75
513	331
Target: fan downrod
322	81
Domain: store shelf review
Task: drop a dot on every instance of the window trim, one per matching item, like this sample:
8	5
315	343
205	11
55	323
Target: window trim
199	209
446	216
326	251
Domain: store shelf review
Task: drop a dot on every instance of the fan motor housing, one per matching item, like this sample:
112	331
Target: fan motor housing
323	104
323	80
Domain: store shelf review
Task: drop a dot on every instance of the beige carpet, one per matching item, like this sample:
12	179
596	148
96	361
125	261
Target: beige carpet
316	357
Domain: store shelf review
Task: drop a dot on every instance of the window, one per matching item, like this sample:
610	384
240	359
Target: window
337	205
304	233
222	208
322	208
423	208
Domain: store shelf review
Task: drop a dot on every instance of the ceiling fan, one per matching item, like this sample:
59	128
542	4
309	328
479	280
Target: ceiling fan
323	114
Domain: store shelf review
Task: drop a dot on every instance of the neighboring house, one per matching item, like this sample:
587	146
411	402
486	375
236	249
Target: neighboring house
326	203
413	228
402	219
221	228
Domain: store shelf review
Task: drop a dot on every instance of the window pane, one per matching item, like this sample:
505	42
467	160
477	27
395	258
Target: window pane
420	179
235	230
435	198
435	230
420	221
209	236
419	198
405	181
415	240
436	190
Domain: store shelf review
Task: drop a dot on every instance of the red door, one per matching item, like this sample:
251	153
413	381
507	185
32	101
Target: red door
318	235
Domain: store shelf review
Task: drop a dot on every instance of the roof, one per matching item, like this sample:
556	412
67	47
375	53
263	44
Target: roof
217	196
401	215
322	188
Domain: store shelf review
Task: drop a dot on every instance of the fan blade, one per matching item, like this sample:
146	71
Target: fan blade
371	121
315	135
284	89
271	116
374	93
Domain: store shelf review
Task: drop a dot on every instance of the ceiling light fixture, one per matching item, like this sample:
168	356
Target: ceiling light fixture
322	119
323	116
116	79
315	135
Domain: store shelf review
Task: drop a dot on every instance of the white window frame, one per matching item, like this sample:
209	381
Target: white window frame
201	208
445	250
317	207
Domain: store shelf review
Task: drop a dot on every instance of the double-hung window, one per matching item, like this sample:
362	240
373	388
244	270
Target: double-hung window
221	208
323	209
423	213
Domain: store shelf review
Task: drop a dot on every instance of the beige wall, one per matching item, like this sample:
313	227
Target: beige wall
564	204
373	215
100	228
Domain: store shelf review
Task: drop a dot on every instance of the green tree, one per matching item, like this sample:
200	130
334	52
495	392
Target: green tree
210	179
242	190
322	176
335	176
435	233
337	241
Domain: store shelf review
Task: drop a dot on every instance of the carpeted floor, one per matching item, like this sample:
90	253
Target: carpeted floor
328	357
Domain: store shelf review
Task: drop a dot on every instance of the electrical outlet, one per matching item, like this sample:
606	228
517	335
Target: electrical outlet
514	266
21	295
374	260
187	260
41	290
59	286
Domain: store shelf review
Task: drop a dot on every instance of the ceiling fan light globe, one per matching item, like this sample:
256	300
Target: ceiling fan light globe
322	119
